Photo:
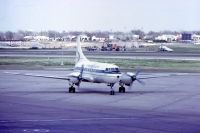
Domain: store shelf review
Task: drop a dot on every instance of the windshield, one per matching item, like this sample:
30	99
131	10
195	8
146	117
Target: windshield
112	69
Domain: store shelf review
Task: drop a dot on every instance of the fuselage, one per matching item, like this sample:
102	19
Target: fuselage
98	72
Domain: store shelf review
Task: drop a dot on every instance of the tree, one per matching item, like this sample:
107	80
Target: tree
2	37
63	33
29	33
153	33
43	33
9	35
52	34
138	32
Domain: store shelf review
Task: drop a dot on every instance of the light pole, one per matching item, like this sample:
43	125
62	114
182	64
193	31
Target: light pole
62	55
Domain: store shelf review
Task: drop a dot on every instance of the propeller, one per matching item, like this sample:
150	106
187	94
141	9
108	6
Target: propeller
134	77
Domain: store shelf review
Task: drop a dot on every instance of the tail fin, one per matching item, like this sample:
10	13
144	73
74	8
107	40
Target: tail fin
79	53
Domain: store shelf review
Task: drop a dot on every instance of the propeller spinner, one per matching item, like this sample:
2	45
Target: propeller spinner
134	77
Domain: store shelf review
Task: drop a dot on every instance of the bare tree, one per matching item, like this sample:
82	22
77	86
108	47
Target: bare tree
138	32
52	34
2	37
9	35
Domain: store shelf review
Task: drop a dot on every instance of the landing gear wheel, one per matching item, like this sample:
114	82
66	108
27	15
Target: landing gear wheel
72	89
112	92
122	89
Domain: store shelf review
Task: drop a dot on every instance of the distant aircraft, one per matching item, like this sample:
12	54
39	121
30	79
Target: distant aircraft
95	72
165	48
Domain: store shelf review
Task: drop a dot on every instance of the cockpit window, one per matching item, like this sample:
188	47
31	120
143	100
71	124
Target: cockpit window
112	69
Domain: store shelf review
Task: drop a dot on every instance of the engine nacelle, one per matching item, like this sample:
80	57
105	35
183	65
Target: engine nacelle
126	79
74	80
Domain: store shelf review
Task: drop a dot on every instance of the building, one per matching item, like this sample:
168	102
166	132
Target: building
112	37
196	39
135	37
186	37
167	38
41	38
100	39
69	38
85	38
28	38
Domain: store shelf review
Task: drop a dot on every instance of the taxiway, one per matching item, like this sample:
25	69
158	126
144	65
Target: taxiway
100	54
163	105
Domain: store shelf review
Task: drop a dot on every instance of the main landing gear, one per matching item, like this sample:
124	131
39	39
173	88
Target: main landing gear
72	89
122	88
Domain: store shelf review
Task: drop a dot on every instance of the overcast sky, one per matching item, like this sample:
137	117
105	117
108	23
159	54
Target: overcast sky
91	15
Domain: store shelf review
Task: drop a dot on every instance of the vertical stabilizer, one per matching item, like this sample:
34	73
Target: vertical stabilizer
79	53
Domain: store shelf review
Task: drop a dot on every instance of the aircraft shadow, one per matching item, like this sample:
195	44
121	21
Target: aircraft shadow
88	91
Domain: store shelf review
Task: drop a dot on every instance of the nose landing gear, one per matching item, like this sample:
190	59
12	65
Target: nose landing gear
112	92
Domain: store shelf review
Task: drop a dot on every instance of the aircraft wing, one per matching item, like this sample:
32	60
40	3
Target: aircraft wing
67	77
39	75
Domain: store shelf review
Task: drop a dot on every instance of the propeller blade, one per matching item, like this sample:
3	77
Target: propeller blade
80	76
130	87
81	72
141	82
138	70
135	77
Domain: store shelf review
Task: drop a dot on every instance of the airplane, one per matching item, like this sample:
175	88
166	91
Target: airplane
165	48
96	72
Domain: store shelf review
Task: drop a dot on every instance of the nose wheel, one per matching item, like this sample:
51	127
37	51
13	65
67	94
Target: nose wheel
112	92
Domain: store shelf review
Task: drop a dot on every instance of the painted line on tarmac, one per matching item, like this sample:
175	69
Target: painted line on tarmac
70	119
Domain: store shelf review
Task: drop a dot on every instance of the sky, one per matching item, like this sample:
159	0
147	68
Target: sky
95	15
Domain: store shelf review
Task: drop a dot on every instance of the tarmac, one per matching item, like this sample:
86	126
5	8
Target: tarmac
101	54
38	105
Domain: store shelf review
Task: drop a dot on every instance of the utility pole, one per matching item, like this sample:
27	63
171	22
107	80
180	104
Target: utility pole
62	63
